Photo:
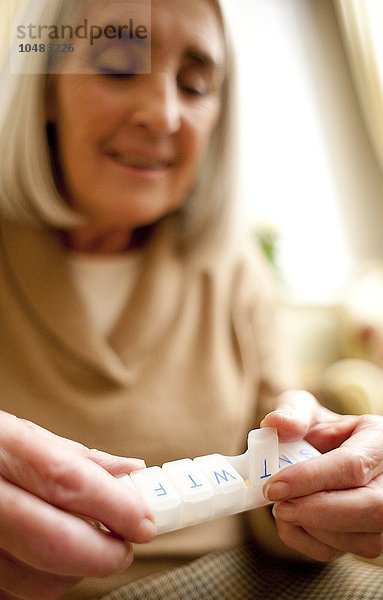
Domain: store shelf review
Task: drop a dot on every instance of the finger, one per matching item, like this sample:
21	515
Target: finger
297	409
48	539
368	545
346	511
74	483
83	488
22	581
332	432
115	465
339	469
297	538
299	415
349	431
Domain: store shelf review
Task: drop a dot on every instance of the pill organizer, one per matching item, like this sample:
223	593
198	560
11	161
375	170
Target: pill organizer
186	492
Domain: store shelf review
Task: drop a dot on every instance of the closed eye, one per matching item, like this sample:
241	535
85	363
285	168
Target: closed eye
120	59
111	72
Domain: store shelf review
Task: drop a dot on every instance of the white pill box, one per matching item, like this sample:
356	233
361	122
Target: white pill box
186	492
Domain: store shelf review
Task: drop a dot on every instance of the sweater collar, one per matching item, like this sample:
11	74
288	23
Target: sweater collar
38	272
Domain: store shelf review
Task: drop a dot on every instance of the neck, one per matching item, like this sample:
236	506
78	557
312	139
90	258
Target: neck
90	240
114	241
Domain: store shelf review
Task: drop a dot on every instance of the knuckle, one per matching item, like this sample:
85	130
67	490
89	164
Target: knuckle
63	551
66	481
358	468
66	550
55	547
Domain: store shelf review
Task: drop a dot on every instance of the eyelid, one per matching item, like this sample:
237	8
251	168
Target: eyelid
200	81
123	58
197	87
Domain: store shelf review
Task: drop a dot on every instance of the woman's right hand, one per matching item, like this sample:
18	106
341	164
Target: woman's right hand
45	482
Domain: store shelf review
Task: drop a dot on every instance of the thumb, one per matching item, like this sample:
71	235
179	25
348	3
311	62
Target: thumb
295	413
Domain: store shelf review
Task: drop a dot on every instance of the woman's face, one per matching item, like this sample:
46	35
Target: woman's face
129	147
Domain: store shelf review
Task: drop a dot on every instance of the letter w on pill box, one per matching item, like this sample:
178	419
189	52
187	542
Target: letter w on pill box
186	492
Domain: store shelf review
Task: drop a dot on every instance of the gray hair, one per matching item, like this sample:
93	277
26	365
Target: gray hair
28	190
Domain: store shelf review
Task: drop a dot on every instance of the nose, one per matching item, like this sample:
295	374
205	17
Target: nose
158	105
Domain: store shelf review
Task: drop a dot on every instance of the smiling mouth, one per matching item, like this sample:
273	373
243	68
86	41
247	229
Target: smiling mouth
143	164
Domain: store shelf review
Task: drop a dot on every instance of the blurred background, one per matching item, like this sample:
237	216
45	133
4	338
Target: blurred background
311	109
311	127
310	167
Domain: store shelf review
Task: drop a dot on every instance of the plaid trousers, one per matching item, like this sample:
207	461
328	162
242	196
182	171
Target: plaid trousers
248	574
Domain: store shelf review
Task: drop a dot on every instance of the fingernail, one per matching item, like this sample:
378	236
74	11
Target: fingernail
280	490
281	412
285	511
147	530
128	559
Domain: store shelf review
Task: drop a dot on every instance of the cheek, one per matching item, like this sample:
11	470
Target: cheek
200	137
80	140
82	110
207	121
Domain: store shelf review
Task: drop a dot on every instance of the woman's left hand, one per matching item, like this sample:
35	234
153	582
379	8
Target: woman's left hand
331	504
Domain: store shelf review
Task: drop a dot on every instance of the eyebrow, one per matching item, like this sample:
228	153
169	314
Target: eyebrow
204	58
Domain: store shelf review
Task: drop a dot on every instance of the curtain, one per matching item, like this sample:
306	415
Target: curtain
361	24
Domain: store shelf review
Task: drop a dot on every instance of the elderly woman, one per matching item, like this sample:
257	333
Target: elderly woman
135	322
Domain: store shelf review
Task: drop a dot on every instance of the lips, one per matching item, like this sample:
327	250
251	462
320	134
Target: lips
136	161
